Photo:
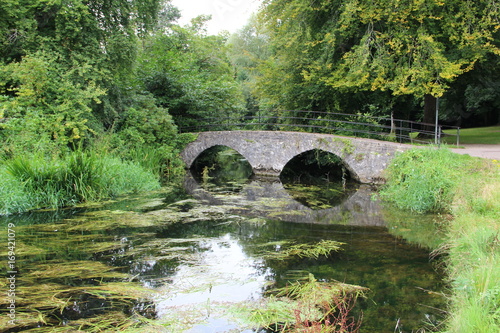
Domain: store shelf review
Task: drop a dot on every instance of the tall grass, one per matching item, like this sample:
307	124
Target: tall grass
162	161
35	182
423	180
474	252
469	189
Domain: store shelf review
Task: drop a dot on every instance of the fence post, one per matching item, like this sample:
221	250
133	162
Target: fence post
439	136
400	131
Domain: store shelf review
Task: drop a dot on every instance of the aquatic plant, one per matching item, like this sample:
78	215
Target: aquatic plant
308	306
314	251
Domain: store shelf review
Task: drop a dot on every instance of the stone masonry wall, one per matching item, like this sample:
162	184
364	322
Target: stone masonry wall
268	152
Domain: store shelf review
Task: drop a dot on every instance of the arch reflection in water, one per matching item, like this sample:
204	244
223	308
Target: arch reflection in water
269	198
316	167
221	164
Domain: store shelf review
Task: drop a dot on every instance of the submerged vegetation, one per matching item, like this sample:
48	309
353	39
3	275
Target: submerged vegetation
469	189
166	262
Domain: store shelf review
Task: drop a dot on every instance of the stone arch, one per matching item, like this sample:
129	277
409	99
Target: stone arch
269	151
199	149
212	146
341	160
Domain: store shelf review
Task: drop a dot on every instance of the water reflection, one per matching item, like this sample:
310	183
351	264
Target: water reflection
222	272
271	199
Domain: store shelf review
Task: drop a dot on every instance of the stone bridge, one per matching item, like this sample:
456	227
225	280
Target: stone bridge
268	152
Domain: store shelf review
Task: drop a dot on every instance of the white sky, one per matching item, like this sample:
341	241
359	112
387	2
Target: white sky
229	15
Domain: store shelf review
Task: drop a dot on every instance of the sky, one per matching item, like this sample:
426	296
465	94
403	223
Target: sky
229	15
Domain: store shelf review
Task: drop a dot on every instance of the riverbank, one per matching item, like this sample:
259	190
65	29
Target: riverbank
474	253
35	182
469	189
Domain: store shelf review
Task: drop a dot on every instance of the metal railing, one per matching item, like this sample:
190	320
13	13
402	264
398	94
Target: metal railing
357	125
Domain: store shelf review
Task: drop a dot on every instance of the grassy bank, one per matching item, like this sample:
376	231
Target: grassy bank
468	189
37	182
479	135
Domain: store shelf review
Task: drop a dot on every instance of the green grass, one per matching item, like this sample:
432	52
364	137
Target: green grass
479	135
36	182
469	189
423	180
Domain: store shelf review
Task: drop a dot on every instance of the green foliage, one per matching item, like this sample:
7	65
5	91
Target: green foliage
67	74
36	182
321	249
147	124
424	180
347	55
189	73
473	247
247	49
13	196
469	188
50	104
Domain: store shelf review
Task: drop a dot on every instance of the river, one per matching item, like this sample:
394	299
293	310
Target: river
212	256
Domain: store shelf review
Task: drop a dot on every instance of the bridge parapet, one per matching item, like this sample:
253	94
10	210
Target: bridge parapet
268	152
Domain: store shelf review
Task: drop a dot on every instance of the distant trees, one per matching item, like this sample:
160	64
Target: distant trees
189	73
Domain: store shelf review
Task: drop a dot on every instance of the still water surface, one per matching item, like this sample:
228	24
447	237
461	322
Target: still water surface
196	258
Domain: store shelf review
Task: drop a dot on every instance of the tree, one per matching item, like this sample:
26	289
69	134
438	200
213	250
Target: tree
68	63
415	48
188	72
247	49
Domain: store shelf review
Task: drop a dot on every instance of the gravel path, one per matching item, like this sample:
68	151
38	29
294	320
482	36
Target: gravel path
484	151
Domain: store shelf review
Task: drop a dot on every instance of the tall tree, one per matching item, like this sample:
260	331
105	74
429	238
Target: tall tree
60	59
247	49
406	47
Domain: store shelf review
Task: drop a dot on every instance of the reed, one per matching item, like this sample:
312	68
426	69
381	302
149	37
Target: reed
424	180
32	182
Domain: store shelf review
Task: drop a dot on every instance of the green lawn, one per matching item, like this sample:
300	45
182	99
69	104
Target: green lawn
479	135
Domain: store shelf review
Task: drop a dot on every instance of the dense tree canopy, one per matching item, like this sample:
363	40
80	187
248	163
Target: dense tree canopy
60	59
414	48
73	71
189	73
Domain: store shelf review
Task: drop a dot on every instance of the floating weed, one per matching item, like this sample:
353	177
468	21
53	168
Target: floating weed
317	197
303	305
82	269
314	251
42	303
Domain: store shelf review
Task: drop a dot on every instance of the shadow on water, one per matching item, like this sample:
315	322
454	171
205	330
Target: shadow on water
206	256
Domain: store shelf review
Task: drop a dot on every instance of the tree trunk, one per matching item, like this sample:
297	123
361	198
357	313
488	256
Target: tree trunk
429	109
429	116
